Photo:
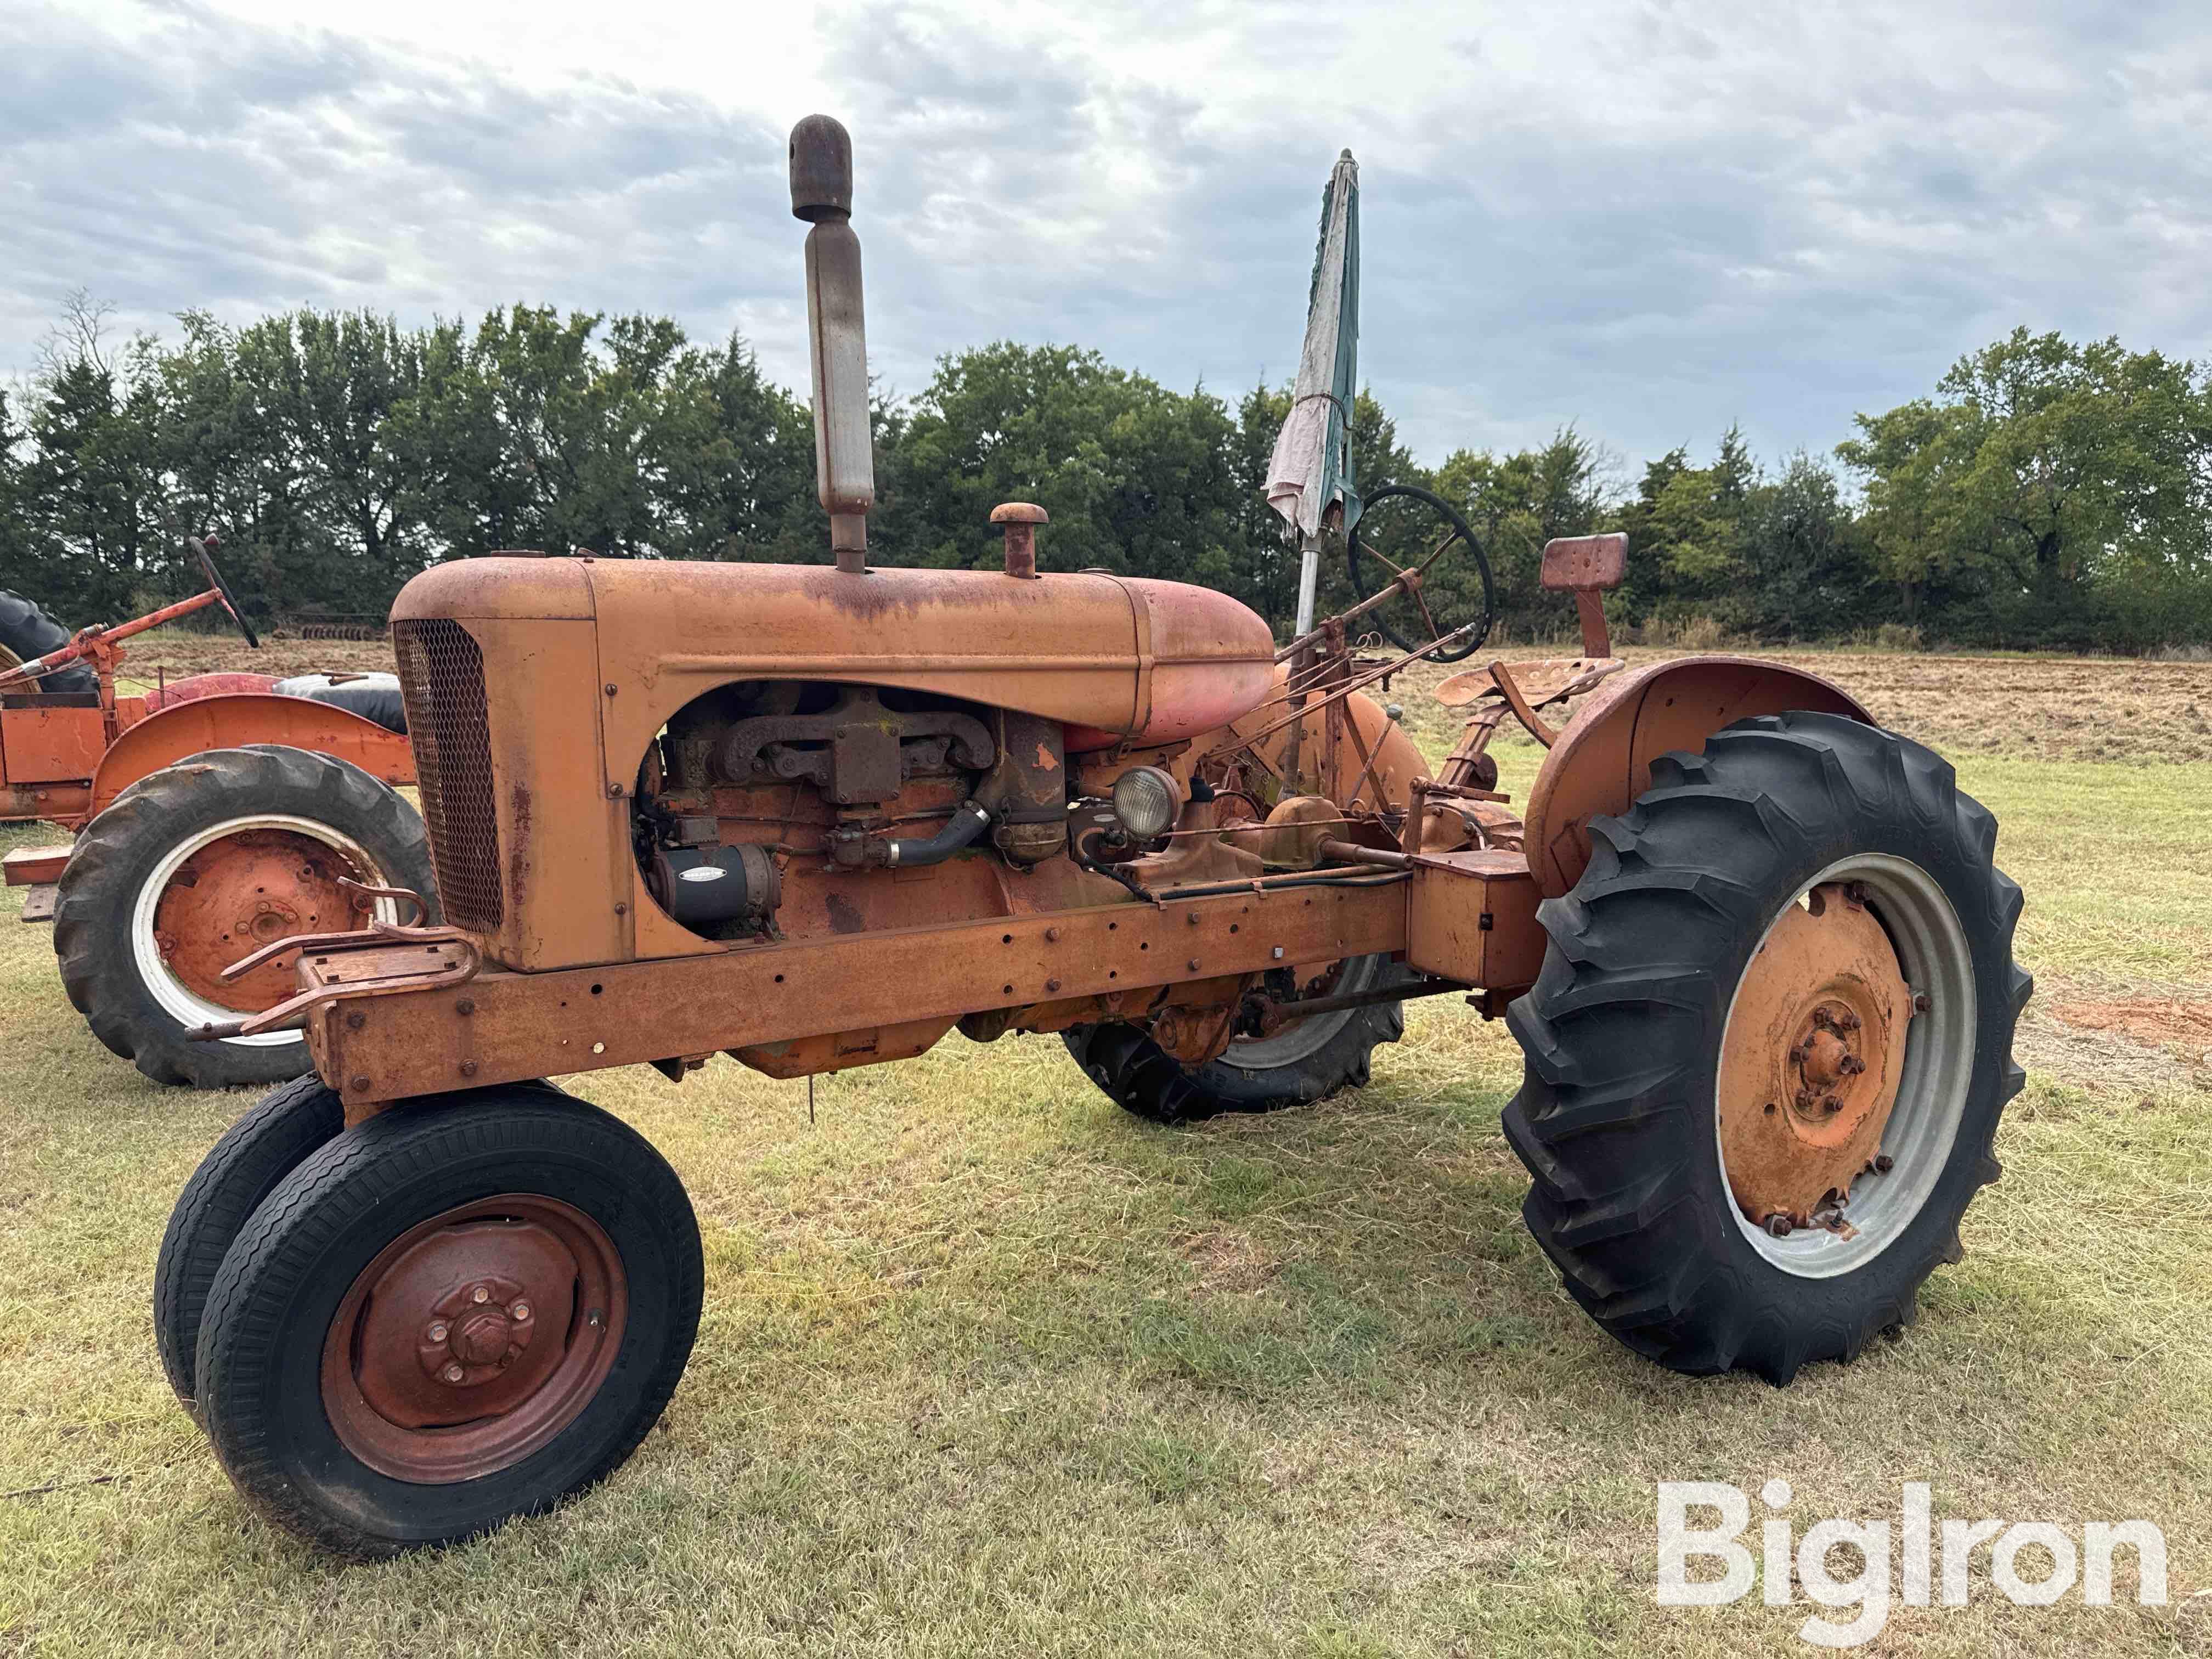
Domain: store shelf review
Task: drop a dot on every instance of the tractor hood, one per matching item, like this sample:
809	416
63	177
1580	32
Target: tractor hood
1114	658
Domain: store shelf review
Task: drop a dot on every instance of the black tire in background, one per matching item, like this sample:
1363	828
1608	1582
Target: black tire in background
260	1359
1303	1062
122	853
1616	1117
27	633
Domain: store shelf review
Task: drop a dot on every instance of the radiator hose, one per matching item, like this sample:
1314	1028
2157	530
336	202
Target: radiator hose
964	825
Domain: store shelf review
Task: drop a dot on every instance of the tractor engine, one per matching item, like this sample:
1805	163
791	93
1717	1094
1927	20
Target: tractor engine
796	807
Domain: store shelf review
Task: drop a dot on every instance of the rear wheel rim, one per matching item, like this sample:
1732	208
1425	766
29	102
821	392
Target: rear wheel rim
226	890
1915	1122
1305	1038
474	1338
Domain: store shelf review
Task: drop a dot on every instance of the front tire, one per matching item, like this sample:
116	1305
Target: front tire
452	1315
198	864
1657	1041
254	1155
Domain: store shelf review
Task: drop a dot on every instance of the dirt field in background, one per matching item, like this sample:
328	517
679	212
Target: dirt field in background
2030	708
2026	708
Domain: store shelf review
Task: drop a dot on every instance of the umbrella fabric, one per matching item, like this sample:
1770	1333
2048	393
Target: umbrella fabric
1312	463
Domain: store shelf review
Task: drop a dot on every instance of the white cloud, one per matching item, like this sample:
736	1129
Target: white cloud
1649	218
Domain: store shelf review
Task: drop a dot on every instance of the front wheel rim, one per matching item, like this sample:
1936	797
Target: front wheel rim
474	1338
1919	1124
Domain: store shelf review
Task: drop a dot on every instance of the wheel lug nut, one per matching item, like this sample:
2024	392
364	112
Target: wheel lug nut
520	1310
1832	1104
452	1374
482	1293
437	1331
1884	1163
1779	1224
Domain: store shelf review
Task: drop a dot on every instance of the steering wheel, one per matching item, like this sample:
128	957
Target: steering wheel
221	587
1373	570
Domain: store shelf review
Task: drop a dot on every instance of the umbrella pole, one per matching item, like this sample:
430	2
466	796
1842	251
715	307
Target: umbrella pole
1308	580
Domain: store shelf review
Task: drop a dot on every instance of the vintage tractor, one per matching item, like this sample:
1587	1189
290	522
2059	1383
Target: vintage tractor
214	813
1754	947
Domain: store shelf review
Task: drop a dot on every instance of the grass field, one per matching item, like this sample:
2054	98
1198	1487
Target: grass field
988	1367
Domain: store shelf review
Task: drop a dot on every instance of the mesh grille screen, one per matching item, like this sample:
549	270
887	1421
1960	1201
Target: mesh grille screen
441	676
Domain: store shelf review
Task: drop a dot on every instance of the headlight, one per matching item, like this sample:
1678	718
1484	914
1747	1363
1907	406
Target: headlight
1145	800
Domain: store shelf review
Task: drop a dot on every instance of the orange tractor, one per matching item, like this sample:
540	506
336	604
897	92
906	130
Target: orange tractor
1754	948
214	813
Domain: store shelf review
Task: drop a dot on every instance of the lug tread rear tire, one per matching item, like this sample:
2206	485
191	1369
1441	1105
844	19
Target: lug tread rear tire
1145	1080
1620	1036
27	633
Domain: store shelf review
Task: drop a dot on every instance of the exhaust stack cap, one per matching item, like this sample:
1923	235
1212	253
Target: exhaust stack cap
821	170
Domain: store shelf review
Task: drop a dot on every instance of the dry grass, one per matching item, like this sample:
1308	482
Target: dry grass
987	1367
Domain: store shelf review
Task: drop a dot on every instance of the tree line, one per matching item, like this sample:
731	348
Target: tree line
2046	494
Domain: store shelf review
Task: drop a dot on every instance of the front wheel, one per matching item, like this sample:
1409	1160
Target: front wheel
453	1314
1768	1051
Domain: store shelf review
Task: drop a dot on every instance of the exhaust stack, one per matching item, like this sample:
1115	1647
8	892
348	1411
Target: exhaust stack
844	456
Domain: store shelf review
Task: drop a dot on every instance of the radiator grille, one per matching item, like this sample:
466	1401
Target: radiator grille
441	676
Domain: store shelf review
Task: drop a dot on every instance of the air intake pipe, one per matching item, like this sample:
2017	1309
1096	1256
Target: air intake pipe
844	455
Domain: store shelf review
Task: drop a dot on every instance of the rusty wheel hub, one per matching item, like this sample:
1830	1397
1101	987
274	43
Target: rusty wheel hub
1811	1061
244	891
474	1338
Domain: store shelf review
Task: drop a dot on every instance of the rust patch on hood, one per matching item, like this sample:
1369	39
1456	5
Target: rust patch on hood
520	808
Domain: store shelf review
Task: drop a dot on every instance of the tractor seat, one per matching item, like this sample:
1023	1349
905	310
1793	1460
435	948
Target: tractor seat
374	697
1541	680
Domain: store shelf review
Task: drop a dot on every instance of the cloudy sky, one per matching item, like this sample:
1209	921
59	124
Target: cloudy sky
1647	218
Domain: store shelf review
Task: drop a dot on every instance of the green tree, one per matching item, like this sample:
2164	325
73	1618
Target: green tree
1517	502
92	482
738	454
1137	479
2044	482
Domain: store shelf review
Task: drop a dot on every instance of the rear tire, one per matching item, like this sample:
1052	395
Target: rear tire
1619	1117
1303	1062
132	860
313	1327
26	633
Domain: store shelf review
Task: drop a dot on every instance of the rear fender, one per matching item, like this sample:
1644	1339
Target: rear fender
229	722
1602	761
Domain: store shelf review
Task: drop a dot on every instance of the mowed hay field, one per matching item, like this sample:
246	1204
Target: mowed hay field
989	1367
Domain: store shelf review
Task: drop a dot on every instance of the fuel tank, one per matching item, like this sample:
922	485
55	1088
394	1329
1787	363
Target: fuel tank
1112	657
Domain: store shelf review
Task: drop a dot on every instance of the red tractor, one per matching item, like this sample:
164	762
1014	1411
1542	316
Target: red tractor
214	814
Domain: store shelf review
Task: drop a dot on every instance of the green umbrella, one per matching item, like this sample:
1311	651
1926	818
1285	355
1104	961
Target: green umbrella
1311	469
